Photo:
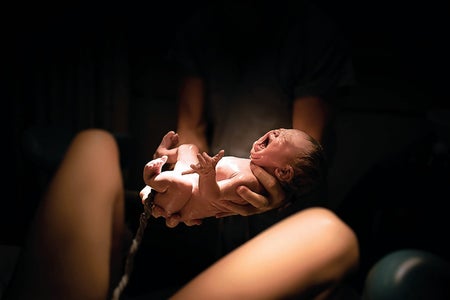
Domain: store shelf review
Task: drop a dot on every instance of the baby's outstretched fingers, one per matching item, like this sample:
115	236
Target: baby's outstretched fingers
205	161
206	158
203	158
218	156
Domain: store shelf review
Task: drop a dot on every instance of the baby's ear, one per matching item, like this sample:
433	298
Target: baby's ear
284	174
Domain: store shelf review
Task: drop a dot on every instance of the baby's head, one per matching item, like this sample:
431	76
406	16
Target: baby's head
293	157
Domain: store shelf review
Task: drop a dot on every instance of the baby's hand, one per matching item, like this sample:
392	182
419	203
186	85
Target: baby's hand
206	164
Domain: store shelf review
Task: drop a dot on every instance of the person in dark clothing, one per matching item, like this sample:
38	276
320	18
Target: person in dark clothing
249	66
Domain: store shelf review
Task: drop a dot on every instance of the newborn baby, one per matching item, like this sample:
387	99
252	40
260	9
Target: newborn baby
199	184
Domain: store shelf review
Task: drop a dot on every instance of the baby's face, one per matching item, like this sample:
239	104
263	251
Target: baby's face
278	147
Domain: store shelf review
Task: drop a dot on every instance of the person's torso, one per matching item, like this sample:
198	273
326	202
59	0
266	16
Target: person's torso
244	100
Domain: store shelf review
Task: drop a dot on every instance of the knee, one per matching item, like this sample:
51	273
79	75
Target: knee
95	153
95	135
96	141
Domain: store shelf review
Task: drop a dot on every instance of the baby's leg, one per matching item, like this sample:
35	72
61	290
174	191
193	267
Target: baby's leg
78	226
173	189
168	147
176	195
151	171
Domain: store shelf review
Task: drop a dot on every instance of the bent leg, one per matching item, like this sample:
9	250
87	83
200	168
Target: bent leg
311	253
174	198
152	170
78	227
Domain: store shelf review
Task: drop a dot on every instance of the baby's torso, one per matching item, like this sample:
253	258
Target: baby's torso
232	172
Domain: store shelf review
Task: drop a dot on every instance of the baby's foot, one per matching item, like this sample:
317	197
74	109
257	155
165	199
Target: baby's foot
170	140
168	147
154	167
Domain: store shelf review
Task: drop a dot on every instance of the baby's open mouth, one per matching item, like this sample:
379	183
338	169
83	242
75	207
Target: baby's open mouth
261	145
258	146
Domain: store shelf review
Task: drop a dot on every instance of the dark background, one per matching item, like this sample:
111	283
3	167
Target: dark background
72	66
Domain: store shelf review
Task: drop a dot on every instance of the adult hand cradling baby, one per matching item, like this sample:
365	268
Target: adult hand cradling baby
243	201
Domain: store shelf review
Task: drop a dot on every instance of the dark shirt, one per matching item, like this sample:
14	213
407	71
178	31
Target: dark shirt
254	68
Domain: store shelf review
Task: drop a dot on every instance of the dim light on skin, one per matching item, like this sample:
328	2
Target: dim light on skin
276	147
278	154
285	260
277	150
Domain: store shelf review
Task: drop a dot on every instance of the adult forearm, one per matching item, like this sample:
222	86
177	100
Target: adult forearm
191	123
312	115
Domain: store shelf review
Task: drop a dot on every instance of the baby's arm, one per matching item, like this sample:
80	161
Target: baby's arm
206	168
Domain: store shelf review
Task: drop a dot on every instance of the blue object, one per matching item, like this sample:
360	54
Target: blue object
408	275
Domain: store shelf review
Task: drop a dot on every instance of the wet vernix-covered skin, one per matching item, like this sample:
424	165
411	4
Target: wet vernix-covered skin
189	195
201	186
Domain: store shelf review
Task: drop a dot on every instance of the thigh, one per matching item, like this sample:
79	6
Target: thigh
175	197
77	226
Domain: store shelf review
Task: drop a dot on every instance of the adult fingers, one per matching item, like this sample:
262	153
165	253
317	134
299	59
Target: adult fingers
255	199
193	222
173	220
223	215
271	184
158	211
238	209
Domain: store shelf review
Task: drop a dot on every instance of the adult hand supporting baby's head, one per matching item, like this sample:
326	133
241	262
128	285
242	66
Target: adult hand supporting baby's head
276	195
257	203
